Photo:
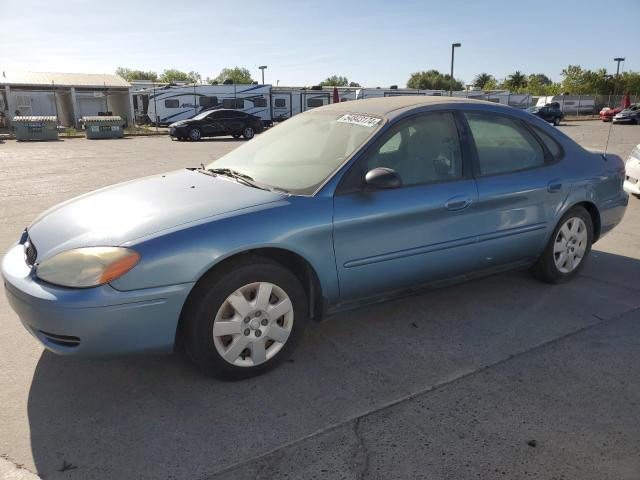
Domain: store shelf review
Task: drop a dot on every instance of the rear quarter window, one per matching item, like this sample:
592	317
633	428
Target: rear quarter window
552	145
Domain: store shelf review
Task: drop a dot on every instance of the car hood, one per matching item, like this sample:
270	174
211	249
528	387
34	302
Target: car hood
124	212
179	123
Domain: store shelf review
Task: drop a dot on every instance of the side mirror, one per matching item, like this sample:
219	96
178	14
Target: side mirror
383	177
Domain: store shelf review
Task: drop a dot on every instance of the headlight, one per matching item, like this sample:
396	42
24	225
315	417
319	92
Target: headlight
87	267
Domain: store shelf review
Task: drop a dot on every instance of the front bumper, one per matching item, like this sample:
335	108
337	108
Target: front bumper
93	321
624	120
178	131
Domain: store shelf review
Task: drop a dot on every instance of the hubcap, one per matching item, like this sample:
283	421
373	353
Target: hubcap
195	134
570	245
248	132
253	324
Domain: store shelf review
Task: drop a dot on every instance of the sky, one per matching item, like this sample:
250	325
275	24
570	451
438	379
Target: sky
374	43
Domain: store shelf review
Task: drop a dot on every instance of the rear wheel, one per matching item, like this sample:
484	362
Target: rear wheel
248	133
195	134
244	319
568	248
556	121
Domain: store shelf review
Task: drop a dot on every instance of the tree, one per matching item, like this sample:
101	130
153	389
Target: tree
432	80
491	85
238	75
173	75
354	84
129	74
516	80
335	81
629	82
482	79
540	78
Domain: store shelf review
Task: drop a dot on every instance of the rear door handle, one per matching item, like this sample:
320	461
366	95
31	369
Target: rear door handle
554	186
457	203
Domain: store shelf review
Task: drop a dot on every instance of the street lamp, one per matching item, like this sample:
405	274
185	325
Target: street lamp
619	59
262	67
453	47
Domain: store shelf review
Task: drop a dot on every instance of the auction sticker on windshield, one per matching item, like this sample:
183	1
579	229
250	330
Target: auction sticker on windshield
363	120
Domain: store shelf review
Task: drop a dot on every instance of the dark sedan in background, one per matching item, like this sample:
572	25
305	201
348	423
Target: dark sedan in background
550	113
215	123
628	115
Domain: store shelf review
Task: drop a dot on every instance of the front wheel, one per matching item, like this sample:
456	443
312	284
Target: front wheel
567	249
236	135
248	133
195	134
245	318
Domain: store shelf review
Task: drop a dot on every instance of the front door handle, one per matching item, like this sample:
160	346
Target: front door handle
554	186
457	203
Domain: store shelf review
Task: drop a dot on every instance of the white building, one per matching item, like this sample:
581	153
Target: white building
69	96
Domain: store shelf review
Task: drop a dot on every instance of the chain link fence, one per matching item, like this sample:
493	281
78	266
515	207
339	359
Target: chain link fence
571	105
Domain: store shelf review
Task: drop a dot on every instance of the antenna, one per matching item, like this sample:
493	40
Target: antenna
615	84
606	145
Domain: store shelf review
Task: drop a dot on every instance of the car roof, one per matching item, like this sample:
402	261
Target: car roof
392	107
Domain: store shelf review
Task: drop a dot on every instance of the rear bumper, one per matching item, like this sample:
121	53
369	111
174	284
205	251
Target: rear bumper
95	321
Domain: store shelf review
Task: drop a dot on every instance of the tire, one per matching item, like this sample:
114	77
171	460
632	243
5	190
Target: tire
556	121
550	266
209	315
236	135
248	133
195	134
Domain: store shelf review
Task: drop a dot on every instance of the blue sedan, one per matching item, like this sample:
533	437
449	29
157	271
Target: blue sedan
335	208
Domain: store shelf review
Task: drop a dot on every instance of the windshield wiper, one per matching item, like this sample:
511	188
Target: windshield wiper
240	177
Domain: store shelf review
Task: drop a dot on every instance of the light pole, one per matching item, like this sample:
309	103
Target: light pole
453	47
262	67
618	59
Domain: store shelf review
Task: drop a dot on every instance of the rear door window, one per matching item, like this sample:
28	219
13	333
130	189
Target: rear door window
503	144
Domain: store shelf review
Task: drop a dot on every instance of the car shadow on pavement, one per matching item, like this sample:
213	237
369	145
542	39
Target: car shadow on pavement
156	417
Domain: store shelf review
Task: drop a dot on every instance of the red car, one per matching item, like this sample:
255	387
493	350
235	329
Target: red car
607	113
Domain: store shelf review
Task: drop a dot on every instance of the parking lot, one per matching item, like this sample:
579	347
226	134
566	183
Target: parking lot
504	377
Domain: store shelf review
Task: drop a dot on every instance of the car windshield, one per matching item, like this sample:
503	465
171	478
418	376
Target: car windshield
301	153
533	109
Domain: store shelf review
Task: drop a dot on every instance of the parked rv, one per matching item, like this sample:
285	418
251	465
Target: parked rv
173	103
289	101
363	93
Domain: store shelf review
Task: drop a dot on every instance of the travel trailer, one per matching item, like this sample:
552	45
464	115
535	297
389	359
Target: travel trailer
394	92
289	101
570	104
503	97
172	103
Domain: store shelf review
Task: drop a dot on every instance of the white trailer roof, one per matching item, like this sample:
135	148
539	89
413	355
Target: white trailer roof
80	80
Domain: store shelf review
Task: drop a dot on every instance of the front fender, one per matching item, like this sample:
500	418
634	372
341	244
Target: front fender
302	225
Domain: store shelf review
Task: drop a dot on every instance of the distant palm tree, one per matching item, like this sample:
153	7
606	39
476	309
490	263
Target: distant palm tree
517	79
482	79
